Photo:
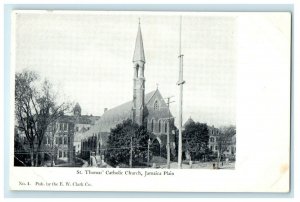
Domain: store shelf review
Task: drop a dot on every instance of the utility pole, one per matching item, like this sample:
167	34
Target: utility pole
180	83
148	156
168	133
131	150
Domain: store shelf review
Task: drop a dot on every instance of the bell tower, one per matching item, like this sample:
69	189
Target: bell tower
138	79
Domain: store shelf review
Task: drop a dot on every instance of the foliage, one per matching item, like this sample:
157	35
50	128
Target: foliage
224	139
195	139
35	109
120	140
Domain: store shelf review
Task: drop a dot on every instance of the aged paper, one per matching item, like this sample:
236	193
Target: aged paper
150	101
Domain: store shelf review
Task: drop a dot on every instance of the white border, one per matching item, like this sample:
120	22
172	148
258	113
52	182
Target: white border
293	197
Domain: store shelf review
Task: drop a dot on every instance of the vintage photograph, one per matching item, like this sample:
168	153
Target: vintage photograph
122	100
126	90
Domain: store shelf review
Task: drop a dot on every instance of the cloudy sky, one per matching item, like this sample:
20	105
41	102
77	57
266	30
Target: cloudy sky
88	57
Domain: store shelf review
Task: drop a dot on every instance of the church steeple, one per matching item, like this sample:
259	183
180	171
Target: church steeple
138	79
139	54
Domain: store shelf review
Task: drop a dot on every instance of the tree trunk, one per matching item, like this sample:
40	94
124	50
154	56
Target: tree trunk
37	157
31	157
37	154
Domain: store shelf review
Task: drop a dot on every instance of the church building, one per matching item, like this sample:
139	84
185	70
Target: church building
148	109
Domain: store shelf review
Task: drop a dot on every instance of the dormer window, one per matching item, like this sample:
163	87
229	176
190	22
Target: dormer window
156	106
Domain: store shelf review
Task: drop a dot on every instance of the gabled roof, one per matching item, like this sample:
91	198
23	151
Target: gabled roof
113	116
123	111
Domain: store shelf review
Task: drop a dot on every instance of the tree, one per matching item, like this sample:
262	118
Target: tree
24	93
125	138
224	139
35	109
195	139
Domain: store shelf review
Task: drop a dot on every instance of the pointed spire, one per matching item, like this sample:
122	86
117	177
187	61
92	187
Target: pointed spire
139	47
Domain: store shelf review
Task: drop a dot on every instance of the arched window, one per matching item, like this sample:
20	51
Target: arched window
152	125
159	126
156	107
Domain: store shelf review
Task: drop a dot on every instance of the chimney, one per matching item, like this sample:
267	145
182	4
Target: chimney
105	109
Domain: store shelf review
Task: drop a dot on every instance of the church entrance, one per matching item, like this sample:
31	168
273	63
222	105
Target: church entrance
155	148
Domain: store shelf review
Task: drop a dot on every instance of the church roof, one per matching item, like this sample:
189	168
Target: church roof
139	54
113	116
122	112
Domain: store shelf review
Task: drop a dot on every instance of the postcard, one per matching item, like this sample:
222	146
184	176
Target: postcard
150	101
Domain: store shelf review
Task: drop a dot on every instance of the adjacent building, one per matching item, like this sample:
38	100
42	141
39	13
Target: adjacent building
62	136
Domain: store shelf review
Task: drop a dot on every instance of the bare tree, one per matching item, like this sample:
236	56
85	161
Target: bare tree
35	110
24	92
48	111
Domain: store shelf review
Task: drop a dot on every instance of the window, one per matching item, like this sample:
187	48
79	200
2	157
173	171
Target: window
216	147
61	126
65	126
166	127
59	154
156	107
159	126
60	140
77	129
211	147
152	125
57	140
65	140
212	139
65	154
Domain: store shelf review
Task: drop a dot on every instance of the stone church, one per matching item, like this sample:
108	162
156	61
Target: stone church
147	109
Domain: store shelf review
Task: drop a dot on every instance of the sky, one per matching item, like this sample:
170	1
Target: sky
88	58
